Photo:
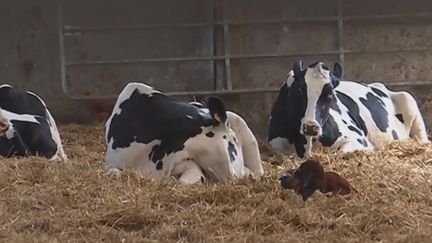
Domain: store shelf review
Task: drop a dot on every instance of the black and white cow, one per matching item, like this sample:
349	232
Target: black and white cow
346	115
26	126
158	135
284	130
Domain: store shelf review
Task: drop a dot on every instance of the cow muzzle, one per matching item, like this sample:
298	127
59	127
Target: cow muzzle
4	126
311	128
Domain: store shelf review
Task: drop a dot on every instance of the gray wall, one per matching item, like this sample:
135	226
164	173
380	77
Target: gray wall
391	50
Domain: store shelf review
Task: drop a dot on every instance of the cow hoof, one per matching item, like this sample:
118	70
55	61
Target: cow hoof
114	172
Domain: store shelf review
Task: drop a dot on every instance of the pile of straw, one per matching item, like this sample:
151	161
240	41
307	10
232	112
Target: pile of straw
75	201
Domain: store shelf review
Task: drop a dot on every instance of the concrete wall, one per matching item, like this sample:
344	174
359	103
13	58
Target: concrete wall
30	52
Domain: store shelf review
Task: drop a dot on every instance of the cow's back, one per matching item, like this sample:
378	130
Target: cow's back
20	102
374	108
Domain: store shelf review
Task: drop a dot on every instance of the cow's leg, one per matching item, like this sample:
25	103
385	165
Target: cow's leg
408	112
189	172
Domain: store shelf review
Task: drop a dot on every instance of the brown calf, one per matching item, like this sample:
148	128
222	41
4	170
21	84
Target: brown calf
310	176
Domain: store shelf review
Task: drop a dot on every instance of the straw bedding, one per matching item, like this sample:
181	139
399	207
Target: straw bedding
74	201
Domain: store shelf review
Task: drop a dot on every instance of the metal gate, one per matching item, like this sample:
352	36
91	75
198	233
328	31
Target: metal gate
202	49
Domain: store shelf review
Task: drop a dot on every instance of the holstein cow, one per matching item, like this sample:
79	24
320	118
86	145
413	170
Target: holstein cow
26	126
158	135
348	115
285	118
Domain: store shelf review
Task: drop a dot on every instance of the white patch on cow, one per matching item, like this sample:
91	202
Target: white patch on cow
249	144
19	117
188	172
5	85
315	79
290	78
212	155
135	156
282	145
10	133
189	116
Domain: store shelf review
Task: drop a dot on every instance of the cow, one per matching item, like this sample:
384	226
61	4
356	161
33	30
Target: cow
347	115
159	136
285	118
26	126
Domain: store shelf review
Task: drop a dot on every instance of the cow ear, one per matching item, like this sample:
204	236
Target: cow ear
337	70
217	109
298	67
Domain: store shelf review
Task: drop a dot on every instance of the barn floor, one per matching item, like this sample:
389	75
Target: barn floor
43	201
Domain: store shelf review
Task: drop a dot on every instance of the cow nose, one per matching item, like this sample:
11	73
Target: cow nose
311	129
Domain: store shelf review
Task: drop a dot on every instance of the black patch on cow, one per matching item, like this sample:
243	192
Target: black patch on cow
330	132
353	111
379	92
29	139
345	122
378	112
202	179
335	107
325	101
165	119
394	134
209	134
365	142
224	137
400	117
20	102
354	129
286	114
159	165
232	151
362	142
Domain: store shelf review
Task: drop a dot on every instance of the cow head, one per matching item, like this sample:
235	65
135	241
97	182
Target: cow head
220	152
4	123
313	89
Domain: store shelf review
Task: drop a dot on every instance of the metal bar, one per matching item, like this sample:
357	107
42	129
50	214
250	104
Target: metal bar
179	59
185	93
241	91
246	56
63	75
214	41
227	52
238	23
340	34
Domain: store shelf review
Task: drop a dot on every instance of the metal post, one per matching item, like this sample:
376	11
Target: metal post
340	34
227	51
63	75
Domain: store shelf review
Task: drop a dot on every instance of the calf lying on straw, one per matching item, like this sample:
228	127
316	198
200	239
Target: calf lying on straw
310	176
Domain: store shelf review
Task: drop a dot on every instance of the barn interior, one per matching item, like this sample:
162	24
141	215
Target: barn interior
78	55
